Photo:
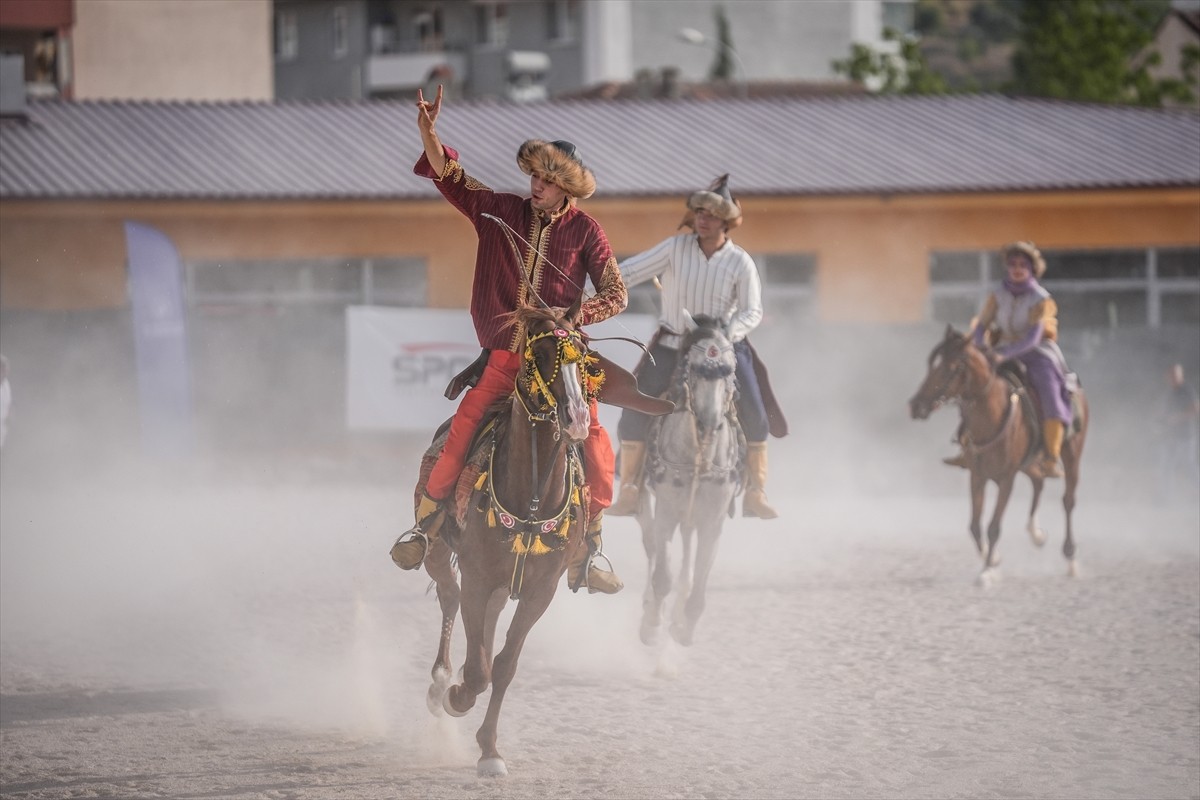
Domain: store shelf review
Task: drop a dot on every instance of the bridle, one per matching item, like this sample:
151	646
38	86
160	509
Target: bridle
955	370
714	366
532	388
533	533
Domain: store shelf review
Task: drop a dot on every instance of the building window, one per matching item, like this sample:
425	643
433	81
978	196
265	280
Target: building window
1092	288
491	24
562	20
788	284
899	15
339	23
287	35
428	31
343	281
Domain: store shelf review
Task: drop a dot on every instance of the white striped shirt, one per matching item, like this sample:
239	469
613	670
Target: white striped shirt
727	282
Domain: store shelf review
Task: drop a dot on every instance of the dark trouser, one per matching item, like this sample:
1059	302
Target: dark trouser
653	380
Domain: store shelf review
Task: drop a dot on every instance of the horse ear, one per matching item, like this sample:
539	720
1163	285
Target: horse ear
575	312
950	332
689	322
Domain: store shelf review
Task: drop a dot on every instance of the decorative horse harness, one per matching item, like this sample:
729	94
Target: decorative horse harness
533	392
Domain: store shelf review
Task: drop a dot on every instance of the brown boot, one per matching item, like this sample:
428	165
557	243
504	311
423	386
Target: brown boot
410	549
633	459
754	503
959	460
582	571
1052	438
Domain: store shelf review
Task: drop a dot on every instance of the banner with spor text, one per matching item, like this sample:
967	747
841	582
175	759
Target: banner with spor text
399	360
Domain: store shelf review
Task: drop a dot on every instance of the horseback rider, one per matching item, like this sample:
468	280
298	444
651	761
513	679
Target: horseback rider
1019	320
568	246
702	272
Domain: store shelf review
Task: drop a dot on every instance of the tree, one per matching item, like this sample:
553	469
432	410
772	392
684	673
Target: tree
1090	50
902	73
722	68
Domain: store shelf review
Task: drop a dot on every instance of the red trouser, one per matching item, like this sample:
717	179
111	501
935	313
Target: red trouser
497	382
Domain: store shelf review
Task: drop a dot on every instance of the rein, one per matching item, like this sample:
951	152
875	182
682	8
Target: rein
974	450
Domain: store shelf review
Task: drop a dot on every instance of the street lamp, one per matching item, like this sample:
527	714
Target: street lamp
693	36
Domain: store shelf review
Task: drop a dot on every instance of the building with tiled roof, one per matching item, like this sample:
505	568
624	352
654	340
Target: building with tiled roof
858	209
864	188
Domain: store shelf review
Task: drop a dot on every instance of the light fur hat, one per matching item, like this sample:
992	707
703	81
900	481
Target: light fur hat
1030	251
559	163
718	201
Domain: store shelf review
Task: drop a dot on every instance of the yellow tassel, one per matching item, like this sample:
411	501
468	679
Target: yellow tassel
575	499
566	529
570	352
482	480
518	546
539	548
491	517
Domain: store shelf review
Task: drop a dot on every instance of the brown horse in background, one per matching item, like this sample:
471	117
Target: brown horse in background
1001	438
524	519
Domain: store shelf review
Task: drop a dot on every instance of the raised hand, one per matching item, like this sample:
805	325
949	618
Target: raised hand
427	113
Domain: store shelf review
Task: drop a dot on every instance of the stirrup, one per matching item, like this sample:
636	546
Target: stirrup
414	534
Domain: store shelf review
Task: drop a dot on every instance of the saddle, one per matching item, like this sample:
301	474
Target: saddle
477	456
1016	374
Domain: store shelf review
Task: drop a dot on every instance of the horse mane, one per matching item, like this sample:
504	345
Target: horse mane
524	316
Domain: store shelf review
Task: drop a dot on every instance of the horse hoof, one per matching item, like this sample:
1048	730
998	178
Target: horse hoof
648	634
682	635
491	768
449	706
1072	569
988	578
433	699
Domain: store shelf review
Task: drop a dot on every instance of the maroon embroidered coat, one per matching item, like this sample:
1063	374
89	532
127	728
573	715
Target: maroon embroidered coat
571	240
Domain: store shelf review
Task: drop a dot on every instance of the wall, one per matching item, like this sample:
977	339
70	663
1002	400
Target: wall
872	253
199	49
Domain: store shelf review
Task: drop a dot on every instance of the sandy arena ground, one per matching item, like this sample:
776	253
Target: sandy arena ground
251	639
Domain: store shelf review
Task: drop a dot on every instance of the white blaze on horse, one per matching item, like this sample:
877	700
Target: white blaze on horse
692	470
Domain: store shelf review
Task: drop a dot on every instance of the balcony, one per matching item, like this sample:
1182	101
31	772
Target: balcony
390	72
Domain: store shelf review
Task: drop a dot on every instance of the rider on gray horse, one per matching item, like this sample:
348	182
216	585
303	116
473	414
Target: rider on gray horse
703	272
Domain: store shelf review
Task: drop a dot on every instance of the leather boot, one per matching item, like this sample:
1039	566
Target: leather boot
410	548
754	503
959	460
1052	438
633	459
583	564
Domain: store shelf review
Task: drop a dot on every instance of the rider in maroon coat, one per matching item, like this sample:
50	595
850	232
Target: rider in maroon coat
567	248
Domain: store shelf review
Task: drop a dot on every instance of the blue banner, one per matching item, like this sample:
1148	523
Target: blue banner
160	340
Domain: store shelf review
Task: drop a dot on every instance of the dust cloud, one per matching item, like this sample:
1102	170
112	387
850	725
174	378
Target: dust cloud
231	624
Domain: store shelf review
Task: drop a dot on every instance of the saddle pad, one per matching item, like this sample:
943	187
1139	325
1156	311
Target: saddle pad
465	487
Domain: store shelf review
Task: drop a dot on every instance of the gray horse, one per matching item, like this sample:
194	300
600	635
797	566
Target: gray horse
693	473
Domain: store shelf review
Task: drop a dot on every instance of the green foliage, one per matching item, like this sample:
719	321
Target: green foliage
903	73
722	68
1089	50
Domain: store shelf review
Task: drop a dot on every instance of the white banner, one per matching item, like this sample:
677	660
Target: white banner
399	360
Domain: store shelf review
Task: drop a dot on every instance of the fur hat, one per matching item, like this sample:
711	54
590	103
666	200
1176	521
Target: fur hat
717	200
558	163
1030	251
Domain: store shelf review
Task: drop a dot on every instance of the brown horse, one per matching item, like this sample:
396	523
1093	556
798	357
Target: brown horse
1001	438
524	520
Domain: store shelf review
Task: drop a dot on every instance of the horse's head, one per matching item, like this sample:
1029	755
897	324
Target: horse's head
956	366
707	362
553	384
